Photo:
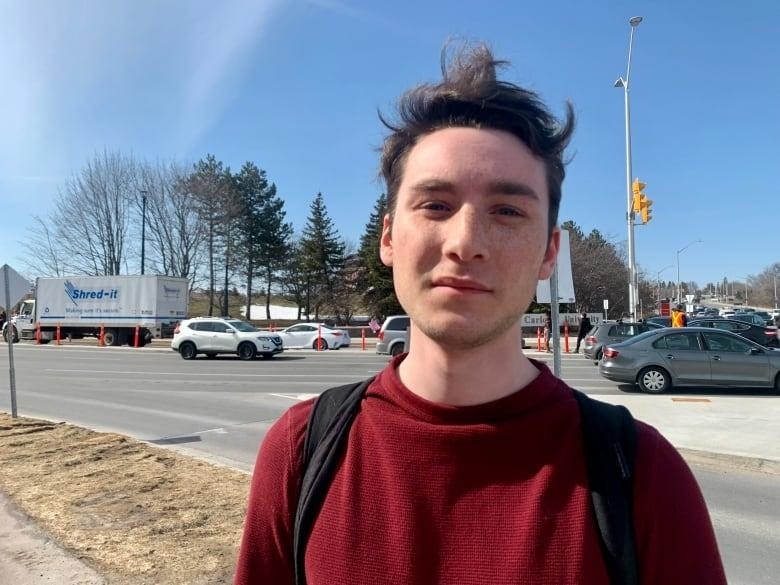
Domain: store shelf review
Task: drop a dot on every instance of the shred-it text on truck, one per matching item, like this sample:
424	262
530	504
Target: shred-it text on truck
86	305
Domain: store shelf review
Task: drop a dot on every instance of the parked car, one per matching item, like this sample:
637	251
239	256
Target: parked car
692	356
748	318
215	335
608	332
660	320
393	335
768	319
314	335
765	335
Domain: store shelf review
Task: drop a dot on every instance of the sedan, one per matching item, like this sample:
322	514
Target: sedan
611	332
765	335
692	356
315	336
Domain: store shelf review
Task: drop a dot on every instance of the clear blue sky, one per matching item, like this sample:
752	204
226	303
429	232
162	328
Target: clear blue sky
294	85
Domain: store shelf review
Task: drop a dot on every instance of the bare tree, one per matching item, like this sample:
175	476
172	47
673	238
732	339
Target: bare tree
210	183
174	230
599	269
44	254
90	219
347	298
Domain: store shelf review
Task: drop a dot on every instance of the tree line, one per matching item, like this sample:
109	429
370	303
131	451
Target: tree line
227	230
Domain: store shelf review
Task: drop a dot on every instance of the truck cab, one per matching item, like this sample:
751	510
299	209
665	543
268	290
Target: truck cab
23	322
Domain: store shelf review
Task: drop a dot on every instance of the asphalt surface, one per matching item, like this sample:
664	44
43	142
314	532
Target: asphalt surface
737	430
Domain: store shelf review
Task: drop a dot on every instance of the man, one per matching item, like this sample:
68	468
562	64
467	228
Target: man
585	326
547	330
679	318
464	464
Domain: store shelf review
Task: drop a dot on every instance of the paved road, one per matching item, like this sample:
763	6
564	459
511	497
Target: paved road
220	409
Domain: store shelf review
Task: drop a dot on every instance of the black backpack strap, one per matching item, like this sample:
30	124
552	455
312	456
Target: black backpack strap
609	436
329	423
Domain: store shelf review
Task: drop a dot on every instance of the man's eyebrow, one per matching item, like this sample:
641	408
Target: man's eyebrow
512	188
501	187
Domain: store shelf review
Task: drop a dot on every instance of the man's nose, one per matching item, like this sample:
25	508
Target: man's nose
467	235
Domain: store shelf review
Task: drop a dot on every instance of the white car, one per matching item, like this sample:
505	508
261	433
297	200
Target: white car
215	335
314	335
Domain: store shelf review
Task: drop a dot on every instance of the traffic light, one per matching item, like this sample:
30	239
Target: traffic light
645	209
641	204
638	188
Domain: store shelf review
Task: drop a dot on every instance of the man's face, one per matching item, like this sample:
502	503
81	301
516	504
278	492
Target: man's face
468	240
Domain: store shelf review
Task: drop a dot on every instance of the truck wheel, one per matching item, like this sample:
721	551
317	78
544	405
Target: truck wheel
15	335
188	351
397	349
111	337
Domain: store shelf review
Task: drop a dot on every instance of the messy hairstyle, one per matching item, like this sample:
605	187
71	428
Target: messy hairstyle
470	95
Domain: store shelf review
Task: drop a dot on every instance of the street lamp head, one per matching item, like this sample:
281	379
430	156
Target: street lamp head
619	82
635	20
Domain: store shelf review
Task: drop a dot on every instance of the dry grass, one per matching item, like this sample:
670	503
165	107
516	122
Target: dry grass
137	513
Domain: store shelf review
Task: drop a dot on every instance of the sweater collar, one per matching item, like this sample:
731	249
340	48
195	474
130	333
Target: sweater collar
542	390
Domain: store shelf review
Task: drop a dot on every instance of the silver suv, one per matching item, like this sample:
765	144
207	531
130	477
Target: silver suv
215	335
394	335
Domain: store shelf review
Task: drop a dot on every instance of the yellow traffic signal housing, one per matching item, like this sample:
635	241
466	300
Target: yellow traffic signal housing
638	188
645	209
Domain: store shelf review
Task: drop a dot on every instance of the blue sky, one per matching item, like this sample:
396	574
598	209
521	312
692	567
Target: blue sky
295	85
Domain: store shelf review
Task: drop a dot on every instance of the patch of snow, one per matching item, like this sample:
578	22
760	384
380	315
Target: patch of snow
277	312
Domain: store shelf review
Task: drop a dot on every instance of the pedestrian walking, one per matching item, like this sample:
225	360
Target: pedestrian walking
547	330
463	461
585	326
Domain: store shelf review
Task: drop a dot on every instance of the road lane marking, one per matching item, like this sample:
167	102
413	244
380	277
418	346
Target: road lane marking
195	373
300	397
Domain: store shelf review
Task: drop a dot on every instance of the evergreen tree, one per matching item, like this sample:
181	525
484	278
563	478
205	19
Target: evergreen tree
322	257
265	236
376	279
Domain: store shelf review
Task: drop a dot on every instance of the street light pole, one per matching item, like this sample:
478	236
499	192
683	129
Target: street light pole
144	193
658	279
680	251
624	83
775	278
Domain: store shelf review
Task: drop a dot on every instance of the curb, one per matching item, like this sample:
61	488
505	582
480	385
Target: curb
739	462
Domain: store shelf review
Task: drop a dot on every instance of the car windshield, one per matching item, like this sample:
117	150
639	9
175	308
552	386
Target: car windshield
243	326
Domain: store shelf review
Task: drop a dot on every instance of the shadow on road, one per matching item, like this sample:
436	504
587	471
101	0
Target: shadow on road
704	391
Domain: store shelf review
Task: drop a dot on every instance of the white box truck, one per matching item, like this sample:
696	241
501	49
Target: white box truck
84	305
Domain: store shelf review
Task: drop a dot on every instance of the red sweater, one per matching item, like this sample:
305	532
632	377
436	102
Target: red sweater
491	494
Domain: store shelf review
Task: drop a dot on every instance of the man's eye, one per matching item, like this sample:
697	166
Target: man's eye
434	206
510	211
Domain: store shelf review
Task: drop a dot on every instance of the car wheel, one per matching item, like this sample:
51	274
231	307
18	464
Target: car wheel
777	384
211	355
188	351
246	351
654	380
320	344
397	349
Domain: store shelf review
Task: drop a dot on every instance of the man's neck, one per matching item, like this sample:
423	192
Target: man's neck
466	377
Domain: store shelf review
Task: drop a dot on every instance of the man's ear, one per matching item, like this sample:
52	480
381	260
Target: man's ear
386	242
551	254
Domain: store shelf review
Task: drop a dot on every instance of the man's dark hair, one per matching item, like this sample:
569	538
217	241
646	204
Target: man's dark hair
470	95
